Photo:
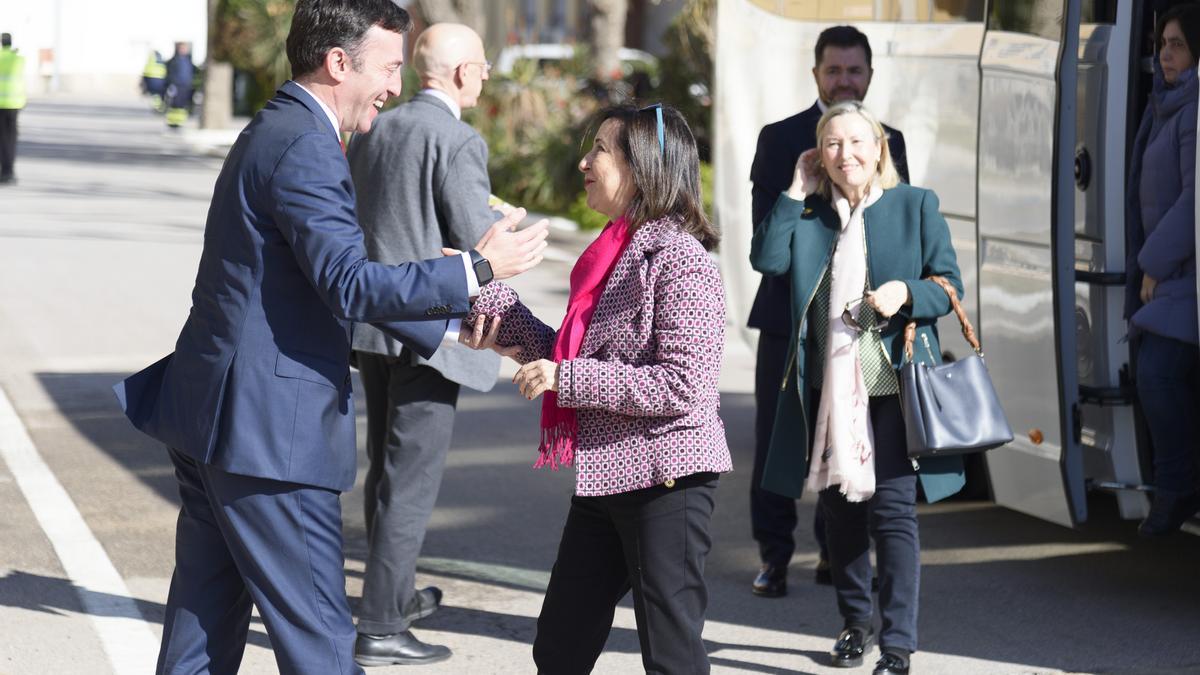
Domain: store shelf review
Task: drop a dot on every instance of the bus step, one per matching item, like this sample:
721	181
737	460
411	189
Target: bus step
1114	486
1106	396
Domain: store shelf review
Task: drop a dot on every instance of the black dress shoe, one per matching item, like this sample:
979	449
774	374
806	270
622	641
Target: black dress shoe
851	644
890	664
396	649
424	603
1168	512
771	582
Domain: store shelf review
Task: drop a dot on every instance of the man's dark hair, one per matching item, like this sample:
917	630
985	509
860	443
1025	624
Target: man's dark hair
5	39
666	177
321	25
844	37
1188	17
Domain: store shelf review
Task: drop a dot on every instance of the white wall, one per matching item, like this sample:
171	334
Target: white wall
100	47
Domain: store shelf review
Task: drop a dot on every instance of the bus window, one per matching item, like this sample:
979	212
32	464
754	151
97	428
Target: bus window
939	11
917	11
1035	17
1098	11
820	10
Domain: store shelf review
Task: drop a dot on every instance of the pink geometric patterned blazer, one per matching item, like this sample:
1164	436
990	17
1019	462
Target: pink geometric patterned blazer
644	386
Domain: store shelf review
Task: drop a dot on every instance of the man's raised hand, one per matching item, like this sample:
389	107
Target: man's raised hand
511	251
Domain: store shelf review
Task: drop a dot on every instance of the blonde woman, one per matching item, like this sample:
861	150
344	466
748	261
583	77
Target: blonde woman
858	245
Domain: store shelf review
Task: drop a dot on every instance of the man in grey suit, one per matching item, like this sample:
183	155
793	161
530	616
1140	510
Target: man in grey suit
422	184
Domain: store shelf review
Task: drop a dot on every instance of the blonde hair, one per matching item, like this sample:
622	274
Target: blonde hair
885	172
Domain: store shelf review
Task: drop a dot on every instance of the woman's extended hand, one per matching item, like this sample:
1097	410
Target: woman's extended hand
537	377
888	298
1148	285
806	175
476	338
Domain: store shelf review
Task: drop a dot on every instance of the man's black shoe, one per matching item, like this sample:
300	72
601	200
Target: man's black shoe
1168	512
424	603
851	644
891	663
771	582
396	649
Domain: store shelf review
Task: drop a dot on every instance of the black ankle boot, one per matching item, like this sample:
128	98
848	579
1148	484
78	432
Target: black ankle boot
1168	512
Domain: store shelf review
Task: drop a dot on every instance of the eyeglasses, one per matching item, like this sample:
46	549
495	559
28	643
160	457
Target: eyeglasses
485	65
851	321
657	108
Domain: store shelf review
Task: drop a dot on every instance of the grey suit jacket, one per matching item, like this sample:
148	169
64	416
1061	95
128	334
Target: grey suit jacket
422	183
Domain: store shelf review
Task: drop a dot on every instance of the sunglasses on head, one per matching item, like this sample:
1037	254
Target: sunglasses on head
657	108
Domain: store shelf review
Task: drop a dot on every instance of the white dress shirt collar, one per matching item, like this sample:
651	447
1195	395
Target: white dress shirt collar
333	120
445	98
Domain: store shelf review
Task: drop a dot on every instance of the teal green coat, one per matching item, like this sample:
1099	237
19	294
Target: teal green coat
908	240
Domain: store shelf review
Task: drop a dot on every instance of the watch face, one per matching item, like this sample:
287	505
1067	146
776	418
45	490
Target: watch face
483	272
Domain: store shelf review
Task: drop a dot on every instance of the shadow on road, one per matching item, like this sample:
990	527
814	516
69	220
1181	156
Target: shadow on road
996	585
53	595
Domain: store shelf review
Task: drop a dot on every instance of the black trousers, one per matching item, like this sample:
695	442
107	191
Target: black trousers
8	142
653	542
890	518
773	517
410	417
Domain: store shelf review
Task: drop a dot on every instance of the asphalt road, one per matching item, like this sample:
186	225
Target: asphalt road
98	247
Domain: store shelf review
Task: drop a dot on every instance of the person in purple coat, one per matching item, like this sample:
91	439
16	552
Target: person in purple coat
1160	298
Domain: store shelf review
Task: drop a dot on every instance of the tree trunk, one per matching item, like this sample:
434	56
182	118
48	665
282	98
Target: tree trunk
608	36
474	14
216	112
438	11
469	12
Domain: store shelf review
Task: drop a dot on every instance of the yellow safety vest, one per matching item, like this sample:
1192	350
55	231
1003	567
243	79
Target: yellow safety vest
155	69
12	79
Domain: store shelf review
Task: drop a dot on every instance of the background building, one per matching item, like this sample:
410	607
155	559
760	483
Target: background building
99	48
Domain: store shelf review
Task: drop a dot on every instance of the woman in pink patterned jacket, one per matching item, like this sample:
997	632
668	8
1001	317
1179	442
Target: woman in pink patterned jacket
630	397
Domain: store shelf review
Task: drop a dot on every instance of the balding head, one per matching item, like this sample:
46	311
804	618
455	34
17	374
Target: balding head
450	57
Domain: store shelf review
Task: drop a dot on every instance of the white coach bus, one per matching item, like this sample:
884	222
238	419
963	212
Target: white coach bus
1020	114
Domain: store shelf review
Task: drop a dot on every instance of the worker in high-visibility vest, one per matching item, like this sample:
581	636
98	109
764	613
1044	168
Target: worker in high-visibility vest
12	99
154	79
180	74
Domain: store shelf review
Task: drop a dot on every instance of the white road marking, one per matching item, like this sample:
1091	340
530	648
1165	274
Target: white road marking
127	639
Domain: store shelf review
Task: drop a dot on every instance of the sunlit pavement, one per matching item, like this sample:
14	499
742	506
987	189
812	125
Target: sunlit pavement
98	247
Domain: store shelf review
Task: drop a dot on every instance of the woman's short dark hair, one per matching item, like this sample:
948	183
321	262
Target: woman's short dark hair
844	37
667	178
1188	16
321	25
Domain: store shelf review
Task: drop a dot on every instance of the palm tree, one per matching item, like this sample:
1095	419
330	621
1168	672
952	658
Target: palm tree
608	36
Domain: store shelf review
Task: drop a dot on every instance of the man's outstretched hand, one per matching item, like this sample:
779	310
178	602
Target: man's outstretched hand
511	251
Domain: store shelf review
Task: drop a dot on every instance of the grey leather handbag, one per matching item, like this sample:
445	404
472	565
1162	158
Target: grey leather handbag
952	408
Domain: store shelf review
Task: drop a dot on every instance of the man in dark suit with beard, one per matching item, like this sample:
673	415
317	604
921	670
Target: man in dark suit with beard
843	73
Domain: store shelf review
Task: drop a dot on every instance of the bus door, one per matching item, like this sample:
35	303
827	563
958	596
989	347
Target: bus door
1107	81
1025	192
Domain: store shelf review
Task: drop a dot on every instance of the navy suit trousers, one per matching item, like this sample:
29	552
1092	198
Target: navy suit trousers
243	540
773	516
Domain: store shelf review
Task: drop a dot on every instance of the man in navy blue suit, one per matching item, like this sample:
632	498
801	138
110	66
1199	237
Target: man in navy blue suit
843	73
255	403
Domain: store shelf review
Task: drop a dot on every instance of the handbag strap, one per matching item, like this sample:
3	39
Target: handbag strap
968	331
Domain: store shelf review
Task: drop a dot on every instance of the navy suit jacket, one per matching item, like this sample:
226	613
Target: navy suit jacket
259	383
779	146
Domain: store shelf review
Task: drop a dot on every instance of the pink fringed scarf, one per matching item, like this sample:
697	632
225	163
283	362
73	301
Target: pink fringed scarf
588	278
